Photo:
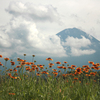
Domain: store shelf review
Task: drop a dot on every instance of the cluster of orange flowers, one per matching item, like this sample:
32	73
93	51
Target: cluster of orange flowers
13	77
78	71
85	68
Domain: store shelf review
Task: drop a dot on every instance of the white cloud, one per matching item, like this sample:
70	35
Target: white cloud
76	44
82	14
34	12
79	52
21	36
29	31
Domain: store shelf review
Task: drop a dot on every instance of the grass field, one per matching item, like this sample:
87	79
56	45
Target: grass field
77	84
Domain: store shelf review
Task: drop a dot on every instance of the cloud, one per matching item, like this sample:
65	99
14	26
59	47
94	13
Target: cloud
79	52
76	44
30	11
22	36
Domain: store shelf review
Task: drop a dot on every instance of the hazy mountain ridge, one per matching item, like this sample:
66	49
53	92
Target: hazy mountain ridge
78	34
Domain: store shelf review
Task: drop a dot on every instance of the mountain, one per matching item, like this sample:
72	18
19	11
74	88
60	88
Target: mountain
80	46
77	33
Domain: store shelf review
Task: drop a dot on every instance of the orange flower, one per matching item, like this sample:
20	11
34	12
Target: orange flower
10	69
38	74
98	64
16	73
64	75
67	80
9	74
13	77
18	66
78	70
60	67
95	72
65	62
34	66
37	69
95	65
6	59
1	64
69	67
72	74
87	75
49	59
24	60
59	71
58	62
27	63
92	67
54	69
73	65
44	72
72	68
75	78
32	63
75	73
15	70
41	66
86	70
64	68
55	73
20	60
28	68
0	56
92	73
22	63
85	66
50	64
11	93
90	62
12	63
96	68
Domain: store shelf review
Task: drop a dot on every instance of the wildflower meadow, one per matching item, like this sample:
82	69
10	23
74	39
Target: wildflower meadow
75	83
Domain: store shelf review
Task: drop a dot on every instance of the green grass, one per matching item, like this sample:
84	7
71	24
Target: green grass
57	87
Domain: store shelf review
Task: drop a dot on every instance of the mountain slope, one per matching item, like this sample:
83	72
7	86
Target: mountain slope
75	33
76	39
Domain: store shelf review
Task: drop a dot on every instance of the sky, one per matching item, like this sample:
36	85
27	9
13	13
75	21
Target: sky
26	26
